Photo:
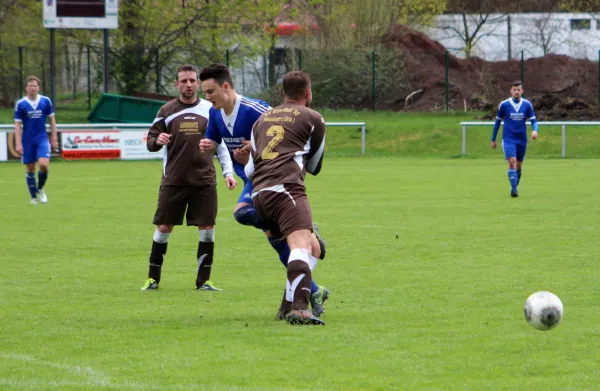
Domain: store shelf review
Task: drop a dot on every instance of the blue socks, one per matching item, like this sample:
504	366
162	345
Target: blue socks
31	184
518	176
42	176
283	250
513	178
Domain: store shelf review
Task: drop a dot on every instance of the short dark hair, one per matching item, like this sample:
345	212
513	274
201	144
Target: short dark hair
295	84
33	78
219	72
186	68
517	83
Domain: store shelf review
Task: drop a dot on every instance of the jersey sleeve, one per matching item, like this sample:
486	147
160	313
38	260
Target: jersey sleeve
501	112
212	130
531	117
317	146
249	167
49	108
18	114
158	126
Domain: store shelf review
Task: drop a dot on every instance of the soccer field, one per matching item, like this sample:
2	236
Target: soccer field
439	308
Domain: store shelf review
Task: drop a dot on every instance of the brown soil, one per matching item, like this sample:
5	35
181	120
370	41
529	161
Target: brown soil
559	87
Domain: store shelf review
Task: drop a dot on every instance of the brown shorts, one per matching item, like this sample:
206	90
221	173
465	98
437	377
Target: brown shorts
284	210
200	201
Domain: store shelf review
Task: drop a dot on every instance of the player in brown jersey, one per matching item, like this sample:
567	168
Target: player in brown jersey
287	142
189	177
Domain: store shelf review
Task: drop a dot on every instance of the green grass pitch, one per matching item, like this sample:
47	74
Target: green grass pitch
439	308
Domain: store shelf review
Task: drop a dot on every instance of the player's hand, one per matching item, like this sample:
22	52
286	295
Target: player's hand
207	145
493	145
534	135
54	143
231	182
163	139
19	148
242	155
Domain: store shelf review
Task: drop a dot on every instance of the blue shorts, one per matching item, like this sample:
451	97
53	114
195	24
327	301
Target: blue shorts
246	196
514	150
35	150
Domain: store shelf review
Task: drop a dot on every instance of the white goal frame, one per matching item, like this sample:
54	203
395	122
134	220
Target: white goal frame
562	124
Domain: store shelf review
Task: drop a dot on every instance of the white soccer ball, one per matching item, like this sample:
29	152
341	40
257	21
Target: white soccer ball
543	310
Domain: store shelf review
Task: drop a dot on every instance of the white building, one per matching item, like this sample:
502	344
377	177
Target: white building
572	34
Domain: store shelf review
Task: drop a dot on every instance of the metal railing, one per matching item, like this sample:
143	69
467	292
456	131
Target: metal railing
125	126
562	124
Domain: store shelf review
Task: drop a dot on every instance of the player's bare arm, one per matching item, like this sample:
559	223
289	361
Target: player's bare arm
242	155
230	182
207	145
493	144
163	139
534	135
54	133
18	137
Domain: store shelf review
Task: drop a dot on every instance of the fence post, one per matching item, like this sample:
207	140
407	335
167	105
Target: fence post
447	81
300	60
52	67
373	82
227	57
598	76
89	77
508	27
105	38
21	69
523	70
243	78
363	139
157	67
564	141
464	140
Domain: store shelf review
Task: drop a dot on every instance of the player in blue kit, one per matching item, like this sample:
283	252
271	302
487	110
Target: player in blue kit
230	121
31	138
515	112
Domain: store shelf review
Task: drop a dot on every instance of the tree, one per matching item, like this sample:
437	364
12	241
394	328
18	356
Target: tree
471	22
353	24
545	33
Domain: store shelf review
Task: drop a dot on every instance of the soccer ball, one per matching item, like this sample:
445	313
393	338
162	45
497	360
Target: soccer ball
543	310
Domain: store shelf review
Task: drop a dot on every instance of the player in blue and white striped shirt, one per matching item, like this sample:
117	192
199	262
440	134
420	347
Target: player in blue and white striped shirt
230	121
31	138
515	112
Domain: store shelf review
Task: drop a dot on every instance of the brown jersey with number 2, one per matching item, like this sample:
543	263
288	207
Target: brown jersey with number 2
287	141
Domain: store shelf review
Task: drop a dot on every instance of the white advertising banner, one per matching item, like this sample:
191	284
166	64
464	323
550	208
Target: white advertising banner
133	146
3	148
81	144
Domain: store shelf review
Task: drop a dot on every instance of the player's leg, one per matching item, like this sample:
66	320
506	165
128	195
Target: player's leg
28	159
521	150
244	212
43	154
294	219
318	294
510	152
169	212
202	212
299	277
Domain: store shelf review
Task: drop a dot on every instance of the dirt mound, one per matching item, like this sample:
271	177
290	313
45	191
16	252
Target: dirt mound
560	87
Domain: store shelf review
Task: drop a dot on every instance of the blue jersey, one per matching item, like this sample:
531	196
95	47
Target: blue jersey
235	128
515	115
33	116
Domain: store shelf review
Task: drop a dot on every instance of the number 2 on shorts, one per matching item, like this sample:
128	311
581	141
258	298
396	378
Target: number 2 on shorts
277	132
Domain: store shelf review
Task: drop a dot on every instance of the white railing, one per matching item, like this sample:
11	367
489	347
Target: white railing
124	126
562	124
